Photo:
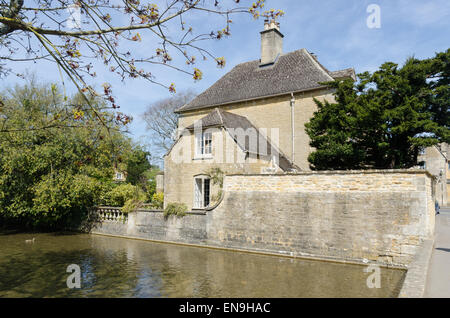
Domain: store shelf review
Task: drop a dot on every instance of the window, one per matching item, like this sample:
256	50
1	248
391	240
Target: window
202	192
119	176
206	190
204	144
423	165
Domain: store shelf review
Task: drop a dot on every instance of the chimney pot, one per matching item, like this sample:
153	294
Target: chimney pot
271	42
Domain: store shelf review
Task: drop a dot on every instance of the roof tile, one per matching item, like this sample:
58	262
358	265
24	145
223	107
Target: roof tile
292	72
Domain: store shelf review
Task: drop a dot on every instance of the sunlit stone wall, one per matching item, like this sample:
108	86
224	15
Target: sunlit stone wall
374	215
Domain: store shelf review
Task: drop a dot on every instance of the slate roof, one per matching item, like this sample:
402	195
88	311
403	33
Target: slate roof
348	72
291	72
231	122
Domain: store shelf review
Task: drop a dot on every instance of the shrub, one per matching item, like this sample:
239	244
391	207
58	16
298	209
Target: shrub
177	209
158	200
63	198
119	195
132	205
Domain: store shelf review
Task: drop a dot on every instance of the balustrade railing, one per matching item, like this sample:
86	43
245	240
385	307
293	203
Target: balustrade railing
111	214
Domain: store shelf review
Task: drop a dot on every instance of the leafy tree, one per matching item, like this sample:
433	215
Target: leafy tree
119	195
384	119
50	177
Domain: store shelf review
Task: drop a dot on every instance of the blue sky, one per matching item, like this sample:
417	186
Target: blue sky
335	30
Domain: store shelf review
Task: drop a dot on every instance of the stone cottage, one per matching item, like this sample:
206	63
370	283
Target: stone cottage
250	121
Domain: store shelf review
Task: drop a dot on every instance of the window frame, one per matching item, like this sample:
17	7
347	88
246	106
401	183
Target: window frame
202	192
203	144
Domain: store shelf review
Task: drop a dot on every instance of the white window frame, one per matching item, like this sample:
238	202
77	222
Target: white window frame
203	144
200	191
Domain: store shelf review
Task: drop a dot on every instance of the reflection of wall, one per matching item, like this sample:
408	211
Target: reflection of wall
178	271
377	215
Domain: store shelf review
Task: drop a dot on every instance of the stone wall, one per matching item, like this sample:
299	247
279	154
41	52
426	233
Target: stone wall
375	215
381	216
152	225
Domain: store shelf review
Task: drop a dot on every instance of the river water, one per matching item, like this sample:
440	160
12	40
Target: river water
116	267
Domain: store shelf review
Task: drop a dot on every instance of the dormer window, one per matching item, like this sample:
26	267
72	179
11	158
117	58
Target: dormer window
204	144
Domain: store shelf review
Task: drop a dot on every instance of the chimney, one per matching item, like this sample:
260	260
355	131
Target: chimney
271	42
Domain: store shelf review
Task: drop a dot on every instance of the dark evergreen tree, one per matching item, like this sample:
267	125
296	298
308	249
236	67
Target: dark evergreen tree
137	164
385	118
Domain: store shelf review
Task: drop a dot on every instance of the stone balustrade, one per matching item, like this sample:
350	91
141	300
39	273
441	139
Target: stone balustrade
111	214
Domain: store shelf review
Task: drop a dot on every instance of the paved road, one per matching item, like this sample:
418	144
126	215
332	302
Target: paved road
438	280
445	210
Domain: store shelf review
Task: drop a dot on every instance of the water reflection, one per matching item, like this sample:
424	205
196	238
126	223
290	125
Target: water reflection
114	267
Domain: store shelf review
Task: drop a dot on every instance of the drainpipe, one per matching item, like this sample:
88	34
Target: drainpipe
293	126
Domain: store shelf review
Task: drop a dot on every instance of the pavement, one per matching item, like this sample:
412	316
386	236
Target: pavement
438	278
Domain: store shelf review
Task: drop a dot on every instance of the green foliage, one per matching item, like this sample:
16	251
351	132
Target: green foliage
137	164
132	205
216	175
122	193
150	177
177	209
216	197
158	200
383	120
57	198
55	161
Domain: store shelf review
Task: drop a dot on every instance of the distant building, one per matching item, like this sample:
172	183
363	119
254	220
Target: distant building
160	182
436	160
120	176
